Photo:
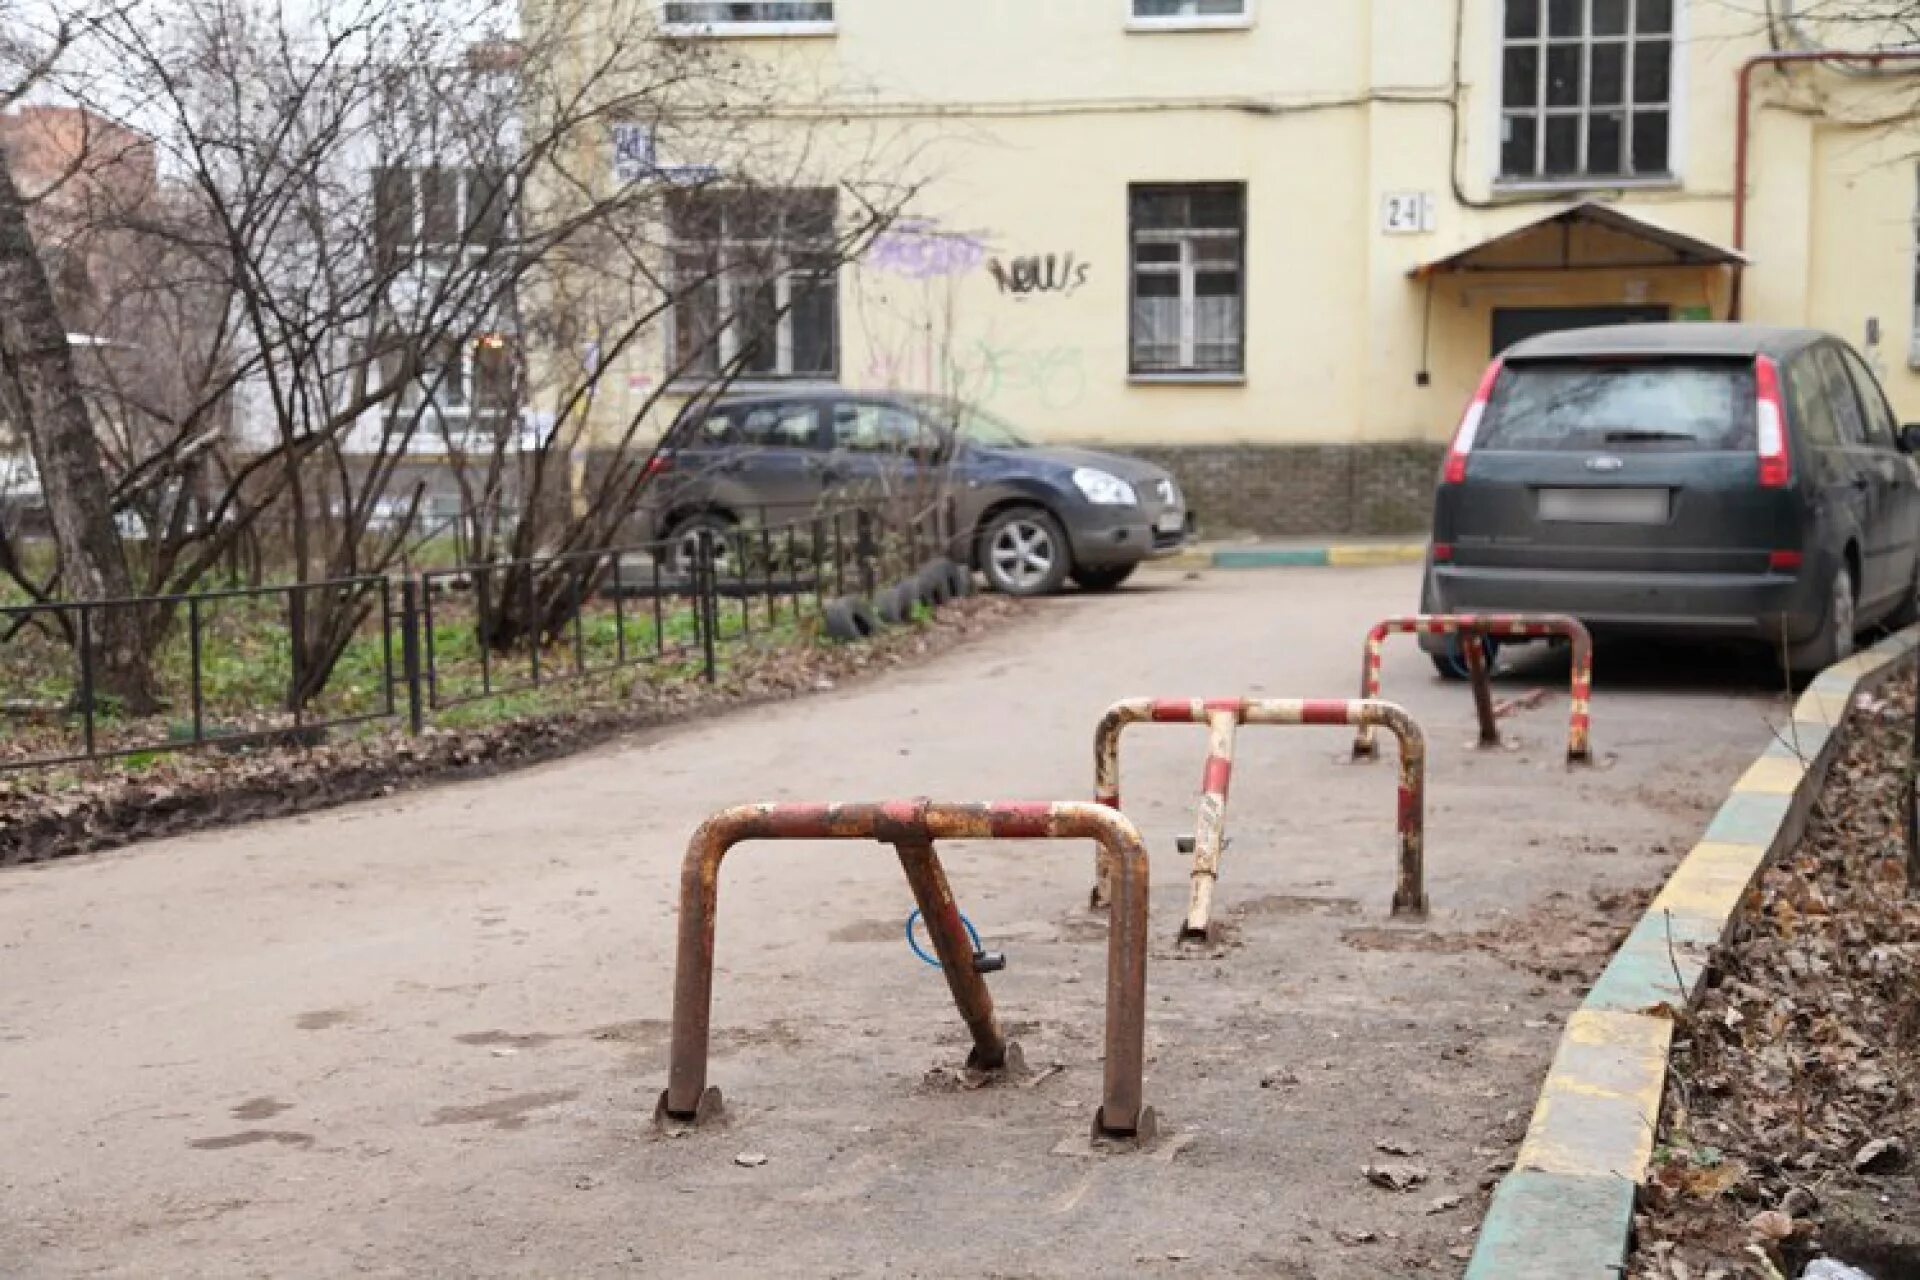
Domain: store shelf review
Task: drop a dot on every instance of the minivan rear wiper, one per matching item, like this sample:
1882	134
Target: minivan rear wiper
1642	437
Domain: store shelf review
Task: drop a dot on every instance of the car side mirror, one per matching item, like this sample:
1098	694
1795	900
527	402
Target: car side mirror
1910	438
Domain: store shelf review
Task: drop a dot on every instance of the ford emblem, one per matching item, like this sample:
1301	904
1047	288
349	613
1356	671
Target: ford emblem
1604	462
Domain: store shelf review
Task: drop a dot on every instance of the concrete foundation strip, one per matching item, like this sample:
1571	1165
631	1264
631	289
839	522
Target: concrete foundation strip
1565	1212
1488	625
1223	717
912	827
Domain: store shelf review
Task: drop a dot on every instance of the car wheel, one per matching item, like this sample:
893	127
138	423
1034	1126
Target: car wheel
1103	579
683	544
1024	553
1837	629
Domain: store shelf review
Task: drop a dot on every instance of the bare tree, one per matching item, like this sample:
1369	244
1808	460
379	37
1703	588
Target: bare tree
40	394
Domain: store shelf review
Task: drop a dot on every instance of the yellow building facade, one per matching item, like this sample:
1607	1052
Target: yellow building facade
1274	243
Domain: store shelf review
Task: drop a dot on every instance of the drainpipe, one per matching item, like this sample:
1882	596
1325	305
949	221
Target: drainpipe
1743	131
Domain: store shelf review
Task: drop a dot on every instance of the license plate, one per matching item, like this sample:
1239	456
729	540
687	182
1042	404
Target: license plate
1170	521
1605	506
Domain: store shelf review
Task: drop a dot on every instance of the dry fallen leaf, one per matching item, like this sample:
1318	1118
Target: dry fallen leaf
1396	1175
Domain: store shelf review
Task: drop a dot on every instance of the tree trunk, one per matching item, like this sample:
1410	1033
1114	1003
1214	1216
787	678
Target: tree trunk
39	392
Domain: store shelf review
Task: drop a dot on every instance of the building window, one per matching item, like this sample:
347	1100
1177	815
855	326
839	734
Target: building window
756	284
748	17
464	380
1189	279
1191	13
437	213
1586	89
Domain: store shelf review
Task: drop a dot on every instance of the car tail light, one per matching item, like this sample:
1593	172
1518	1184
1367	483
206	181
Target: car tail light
1770	426
661	461
1456	470
1443	553
1784	559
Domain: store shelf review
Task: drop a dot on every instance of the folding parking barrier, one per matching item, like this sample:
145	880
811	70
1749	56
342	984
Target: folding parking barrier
1223	717
911	827
1485	626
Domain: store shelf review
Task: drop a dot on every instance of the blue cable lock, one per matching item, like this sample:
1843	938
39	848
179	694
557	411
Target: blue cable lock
984	961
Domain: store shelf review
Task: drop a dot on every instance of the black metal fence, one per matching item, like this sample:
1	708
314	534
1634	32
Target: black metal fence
232	673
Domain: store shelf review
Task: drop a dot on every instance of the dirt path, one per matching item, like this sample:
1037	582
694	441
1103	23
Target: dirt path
425	1035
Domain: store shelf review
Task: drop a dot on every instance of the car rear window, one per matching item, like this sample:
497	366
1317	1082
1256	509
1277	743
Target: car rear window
1622	405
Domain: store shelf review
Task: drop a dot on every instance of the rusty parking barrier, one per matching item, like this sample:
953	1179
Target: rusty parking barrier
1512	626
912	827
1223	717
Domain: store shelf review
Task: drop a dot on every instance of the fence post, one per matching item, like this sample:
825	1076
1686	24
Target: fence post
864	550
410	651
706	587
86	676
296	631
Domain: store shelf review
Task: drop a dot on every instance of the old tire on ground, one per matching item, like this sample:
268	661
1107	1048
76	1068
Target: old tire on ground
959	580
849	619
935	586
1104	579
894	604
1024	552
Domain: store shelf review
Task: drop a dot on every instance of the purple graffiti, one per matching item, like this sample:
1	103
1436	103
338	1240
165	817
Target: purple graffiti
920	249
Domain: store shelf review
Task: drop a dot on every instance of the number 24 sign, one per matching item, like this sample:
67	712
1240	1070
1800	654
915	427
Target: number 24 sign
1407	213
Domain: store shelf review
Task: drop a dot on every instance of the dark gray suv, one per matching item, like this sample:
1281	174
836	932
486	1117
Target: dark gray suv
1030	516
1720	481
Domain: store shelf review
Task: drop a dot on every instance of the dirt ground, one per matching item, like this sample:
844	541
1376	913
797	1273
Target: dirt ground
424	1035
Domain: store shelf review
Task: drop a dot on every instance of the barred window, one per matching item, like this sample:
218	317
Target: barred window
1586	89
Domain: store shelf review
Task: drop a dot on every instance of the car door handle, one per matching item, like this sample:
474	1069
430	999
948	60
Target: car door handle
1861	483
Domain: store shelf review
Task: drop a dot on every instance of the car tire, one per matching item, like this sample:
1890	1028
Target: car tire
935	587
895	604
1024	552
849	620
959	580
1837	629
680	544
1107	579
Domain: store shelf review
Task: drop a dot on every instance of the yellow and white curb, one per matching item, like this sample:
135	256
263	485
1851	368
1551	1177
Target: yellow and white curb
1566	1210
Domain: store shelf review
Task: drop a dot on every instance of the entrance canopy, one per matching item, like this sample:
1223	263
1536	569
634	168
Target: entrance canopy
1586	237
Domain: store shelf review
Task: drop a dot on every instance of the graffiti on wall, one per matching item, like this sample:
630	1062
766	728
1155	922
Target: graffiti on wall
984	372
921	249
1063	274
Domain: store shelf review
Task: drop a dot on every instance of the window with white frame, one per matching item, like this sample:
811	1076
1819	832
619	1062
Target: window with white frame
747	15
756	284
436	212
1191	13
1586	89
1189	279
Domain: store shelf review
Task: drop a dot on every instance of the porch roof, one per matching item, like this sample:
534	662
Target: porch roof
1584	237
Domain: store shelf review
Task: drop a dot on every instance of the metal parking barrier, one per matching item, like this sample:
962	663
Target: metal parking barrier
1223	718
1499	626
912	827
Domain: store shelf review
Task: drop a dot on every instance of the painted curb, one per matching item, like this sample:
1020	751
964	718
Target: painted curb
1336	556
1565	1212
